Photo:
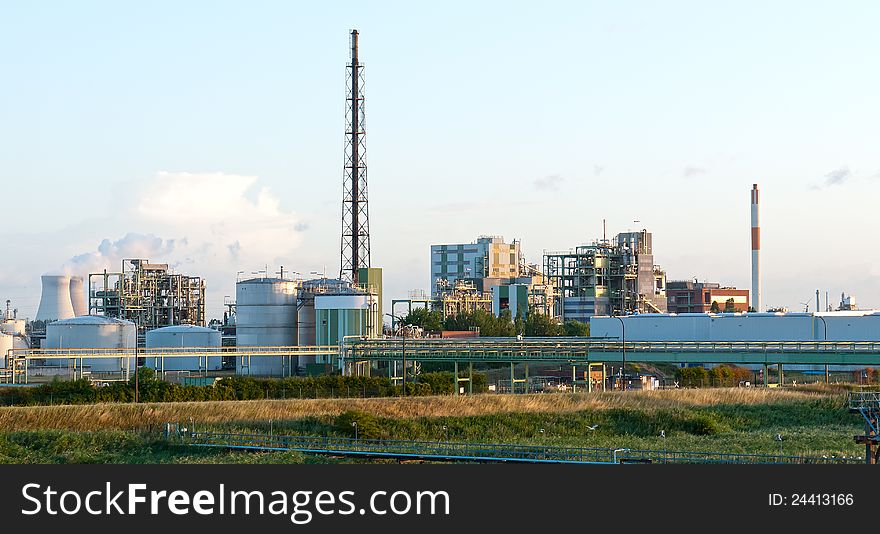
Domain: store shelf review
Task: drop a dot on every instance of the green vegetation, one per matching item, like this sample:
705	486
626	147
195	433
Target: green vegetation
534	325
719	376
117	447
811	420
816	427
230	388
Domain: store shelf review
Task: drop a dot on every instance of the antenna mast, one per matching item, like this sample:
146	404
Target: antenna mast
355	249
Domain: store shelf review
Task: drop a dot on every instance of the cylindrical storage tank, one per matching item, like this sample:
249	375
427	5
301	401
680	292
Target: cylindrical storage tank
78	296
305	327
6	343
55	304
94	332
184	336
13	327
343	315
265	316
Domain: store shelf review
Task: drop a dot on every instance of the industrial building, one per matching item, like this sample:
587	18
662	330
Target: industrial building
487	274
826	326
149	295
616	277
489	257
691	296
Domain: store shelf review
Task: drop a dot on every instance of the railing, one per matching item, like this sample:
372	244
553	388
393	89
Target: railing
481	452
170	352
76	360
556	348
864	400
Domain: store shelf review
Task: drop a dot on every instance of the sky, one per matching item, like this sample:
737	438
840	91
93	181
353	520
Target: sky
209	135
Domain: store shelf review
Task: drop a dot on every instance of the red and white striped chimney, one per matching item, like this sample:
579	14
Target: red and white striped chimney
756	251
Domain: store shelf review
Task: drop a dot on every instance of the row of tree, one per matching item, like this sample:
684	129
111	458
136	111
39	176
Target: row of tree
729	307
718	376
150	389
504	325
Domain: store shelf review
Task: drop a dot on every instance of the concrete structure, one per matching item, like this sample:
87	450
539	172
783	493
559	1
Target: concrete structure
94	332
514	297
55	302
847	303
184	336
756	250
686	296
614	277
265	316
370	281
487	257
78	296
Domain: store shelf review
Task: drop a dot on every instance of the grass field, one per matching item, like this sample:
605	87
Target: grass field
811	421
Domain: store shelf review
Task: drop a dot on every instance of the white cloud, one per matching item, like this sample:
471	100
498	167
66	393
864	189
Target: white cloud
837	176
691	171
110	253
549	183
203	224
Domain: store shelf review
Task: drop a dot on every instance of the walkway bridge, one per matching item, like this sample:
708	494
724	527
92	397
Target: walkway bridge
585	350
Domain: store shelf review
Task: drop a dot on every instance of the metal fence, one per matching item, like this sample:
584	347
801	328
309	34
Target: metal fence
478	452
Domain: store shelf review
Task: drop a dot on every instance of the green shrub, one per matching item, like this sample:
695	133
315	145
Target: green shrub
367	424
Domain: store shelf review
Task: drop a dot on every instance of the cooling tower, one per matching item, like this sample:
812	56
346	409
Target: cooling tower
77	296
55	301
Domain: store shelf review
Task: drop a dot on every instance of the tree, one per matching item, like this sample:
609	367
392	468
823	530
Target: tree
692	376
540	325
519	324
429	321
576	328
715	307
729	306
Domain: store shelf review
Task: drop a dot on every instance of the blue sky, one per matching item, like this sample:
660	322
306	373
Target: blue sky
530	120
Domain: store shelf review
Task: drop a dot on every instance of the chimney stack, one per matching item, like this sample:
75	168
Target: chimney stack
756	251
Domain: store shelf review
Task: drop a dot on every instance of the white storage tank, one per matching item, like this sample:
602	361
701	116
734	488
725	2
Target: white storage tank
13	327
7	342
184	336
265	316
94	332
11	324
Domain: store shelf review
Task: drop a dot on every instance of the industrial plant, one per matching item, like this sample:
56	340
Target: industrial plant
105	325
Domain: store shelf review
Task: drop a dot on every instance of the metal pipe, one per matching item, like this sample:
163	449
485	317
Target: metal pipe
623	353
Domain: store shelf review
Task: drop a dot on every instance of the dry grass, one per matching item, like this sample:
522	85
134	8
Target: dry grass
154	415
